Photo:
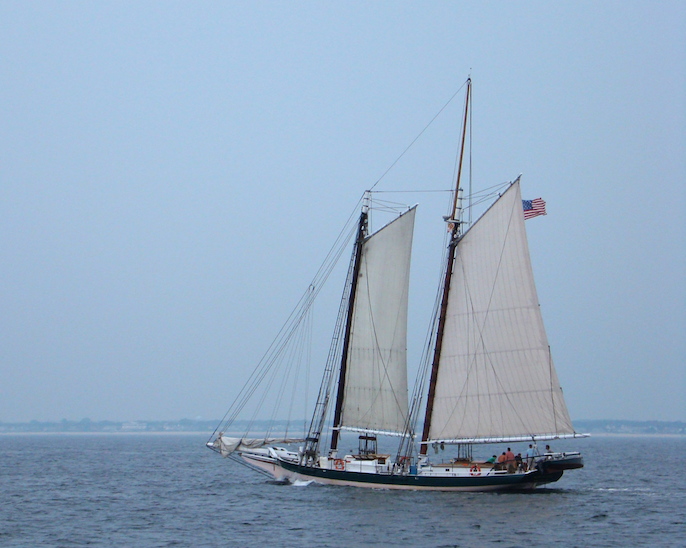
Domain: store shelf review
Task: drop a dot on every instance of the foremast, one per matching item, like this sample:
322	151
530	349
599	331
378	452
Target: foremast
316	429
365	381
362	231
455	228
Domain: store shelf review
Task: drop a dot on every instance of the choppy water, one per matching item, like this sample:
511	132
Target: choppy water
168	490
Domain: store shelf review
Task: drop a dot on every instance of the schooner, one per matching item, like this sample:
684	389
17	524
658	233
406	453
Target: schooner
488	376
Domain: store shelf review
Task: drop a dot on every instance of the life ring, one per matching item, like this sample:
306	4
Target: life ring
339	464
475	470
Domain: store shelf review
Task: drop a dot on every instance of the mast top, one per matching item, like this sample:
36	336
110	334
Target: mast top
366	201
457	199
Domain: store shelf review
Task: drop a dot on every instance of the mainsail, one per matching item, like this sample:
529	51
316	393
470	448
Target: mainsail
375	396
496	379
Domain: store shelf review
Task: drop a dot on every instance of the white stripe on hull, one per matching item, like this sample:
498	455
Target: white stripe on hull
267	464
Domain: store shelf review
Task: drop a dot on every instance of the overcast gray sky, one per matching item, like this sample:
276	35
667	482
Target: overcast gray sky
172	174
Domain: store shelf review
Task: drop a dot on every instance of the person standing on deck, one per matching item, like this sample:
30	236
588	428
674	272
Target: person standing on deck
510	460
531	454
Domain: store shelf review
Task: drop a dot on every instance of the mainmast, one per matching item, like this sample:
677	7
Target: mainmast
454	220
361	235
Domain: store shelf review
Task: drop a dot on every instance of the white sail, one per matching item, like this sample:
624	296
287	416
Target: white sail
496	379
376	381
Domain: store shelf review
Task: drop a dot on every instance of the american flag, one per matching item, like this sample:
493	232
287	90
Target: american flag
533	208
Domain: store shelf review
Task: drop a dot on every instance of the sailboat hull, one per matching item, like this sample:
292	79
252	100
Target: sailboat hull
265	463
415	482
562	462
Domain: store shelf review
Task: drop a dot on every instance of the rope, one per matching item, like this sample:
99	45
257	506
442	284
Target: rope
287	331
418	136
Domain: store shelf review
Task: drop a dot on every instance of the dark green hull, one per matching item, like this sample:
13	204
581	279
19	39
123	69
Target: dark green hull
418	482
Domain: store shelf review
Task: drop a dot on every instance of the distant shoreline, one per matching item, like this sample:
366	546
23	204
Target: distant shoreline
100	433
207	427
204	433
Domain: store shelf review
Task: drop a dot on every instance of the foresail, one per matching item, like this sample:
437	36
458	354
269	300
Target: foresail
376	381
496	378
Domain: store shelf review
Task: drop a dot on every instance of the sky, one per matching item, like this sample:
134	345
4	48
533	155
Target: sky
172	174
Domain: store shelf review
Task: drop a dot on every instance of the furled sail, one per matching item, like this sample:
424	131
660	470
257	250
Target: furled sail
228	445
496	378
375	397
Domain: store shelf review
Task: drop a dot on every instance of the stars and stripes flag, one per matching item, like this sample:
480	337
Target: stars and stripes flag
533	208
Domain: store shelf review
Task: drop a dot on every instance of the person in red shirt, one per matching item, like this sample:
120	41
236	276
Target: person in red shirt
510	461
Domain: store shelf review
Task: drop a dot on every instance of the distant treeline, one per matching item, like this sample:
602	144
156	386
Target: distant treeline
198	425
630	427
87	425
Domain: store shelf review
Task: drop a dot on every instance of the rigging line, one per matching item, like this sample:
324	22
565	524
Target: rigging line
423	191
418	136
378	203
384	363
378	352
513	211
469	204
552	394
387	205
303	357
483	325
305	302
294	370
486	195
432	334
491	190
458	165
308	370
302	360
422	377
316	430
276	347
291	362
341	236
270	358
480	329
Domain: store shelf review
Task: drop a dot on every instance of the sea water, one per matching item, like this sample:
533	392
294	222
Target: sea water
169	490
